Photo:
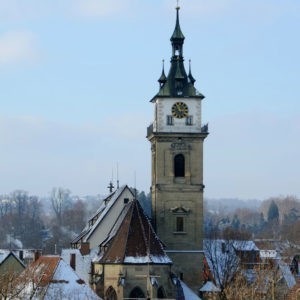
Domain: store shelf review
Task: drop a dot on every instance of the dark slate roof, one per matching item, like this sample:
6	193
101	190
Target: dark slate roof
132	240
177	83
101	213
177	34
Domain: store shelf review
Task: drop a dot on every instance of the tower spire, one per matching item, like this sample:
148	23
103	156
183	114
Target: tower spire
177	37
177	83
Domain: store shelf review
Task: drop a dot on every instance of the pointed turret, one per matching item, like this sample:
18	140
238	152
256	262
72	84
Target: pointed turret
178	83
177	37
191	78
162	79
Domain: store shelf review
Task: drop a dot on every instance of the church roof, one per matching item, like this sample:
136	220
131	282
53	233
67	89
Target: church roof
132	240
178	83
95	221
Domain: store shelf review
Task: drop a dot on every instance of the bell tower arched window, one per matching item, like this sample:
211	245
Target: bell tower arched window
179	165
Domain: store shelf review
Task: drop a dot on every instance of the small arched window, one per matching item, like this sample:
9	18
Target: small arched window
136	293
161	293
111	294
179	165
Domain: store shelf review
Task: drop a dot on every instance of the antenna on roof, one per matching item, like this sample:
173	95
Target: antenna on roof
135	191
118	176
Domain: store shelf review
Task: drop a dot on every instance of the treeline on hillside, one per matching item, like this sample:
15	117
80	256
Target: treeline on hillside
50	223
275	218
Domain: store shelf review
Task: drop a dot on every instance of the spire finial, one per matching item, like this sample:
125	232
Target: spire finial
177	7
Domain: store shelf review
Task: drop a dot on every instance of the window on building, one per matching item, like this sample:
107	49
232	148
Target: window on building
189	120
111	294
161	293
179	165
170	120
136	293
179	224
126	200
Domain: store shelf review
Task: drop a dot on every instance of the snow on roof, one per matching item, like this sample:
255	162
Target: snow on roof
267	253
244	245
147	259
188	293
3	255
287	274
209	287
27	253
51	278
66	284
133	240
108	206
82	263
101	212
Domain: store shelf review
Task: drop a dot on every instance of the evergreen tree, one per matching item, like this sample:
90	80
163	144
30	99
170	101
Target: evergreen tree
273	212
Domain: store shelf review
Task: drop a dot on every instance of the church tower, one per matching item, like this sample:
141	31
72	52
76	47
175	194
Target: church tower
176	138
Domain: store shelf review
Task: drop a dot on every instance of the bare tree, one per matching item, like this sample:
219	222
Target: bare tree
261	282
222	261
58	199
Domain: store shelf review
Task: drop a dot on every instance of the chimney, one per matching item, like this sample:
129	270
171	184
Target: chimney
85	249
37	255
73	261
21	255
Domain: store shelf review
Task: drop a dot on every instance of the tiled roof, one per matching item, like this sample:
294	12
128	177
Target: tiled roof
132	240
43	269
50	276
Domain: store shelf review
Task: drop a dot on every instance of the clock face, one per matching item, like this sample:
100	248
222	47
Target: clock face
180	110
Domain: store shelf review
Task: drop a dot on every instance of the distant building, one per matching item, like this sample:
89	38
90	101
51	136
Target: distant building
10	263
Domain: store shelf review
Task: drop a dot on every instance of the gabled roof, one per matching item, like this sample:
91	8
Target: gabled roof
82	262
132	240
209	287
50	276
5	254
286	274
187	292
102	211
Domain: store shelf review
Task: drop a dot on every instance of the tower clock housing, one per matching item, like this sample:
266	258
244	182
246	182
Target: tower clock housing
176	136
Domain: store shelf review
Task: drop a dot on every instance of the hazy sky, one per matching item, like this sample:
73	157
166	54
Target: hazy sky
76	77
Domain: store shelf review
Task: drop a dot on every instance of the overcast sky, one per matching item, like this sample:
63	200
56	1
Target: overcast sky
76	77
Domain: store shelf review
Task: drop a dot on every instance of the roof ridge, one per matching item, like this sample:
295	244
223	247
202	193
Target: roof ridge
129	225
147	243
111	245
